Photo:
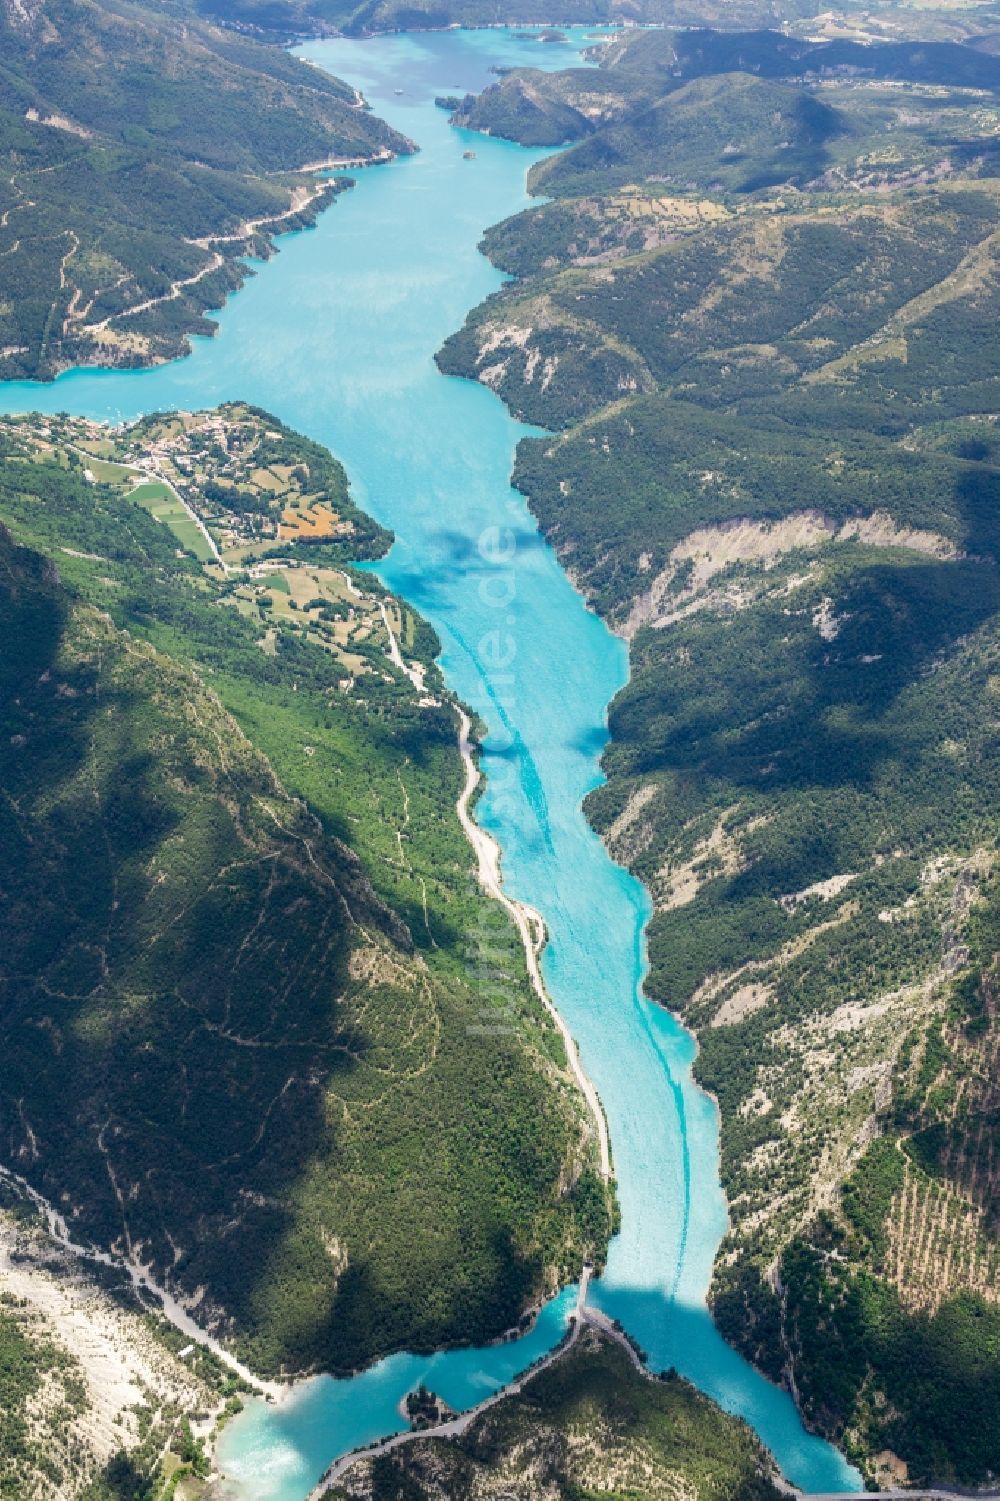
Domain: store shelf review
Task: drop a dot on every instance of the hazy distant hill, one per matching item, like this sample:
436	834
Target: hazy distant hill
359	17
705	107
808	19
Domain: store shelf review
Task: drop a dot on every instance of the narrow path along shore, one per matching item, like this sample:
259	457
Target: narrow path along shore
529	923
531	928
302	199
249	227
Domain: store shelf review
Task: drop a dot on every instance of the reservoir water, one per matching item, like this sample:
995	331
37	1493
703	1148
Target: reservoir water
336	336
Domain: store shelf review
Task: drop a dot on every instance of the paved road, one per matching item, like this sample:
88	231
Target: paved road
455	1427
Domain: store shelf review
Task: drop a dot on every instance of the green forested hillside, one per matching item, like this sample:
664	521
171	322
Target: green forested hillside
139	158
590	1425
696	132
736	111
364	17
247	1035
804	19
735	306
774	469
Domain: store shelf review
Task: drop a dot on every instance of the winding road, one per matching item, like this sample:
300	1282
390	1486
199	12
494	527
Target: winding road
529	923
456	1426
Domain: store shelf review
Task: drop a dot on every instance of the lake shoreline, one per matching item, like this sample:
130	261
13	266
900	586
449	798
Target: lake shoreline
338	339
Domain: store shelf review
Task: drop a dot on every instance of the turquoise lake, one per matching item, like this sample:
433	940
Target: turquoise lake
336	336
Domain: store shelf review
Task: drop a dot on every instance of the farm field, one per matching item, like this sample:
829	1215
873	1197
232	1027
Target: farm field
157	498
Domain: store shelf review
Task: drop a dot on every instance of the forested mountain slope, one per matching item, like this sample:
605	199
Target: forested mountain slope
140	156
646	98
589	1425
251	1039
806	19
776	471
365	17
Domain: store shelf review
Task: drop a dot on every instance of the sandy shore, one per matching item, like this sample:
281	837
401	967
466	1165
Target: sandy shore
532	930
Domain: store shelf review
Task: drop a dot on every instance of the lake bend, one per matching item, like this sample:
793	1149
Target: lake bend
336	336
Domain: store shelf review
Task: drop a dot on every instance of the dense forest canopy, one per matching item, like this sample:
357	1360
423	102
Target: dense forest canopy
758	310
239	1029
140	158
